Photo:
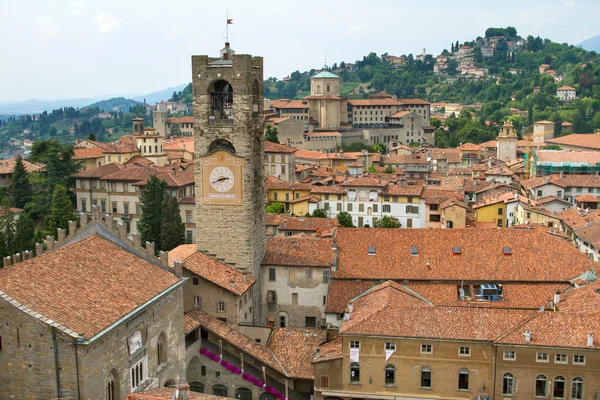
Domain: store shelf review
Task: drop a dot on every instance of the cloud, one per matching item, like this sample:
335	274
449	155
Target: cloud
107	23
45	27
78	7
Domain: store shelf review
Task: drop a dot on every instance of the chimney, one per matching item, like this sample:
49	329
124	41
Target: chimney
245	277
61	236
232	282
184	392
122	231
590	339
527	335
163	257
178	265
49	243
556	297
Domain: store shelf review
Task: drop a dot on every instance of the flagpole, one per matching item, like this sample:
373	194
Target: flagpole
227	26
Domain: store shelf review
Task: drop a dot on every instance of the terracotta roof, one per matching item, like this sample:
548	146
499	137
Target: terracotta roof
139	161
327	96
587	198
547	259
590	141
400	114
300	251
180	120
330	350
83	153
469	147
403	190
163	393
507	197
322	134
295	348
275	219
99	172
453	202
213	270
550	199
590	157
277	120
179	143
290	104
341	291
327	190
132	173
391	309
196	318
308	224
181	252
8	166
585	299
414	101
541	181
187	200
308	197
85	286
375	102
400	159
565	88
273	183
175	178
556	329
271	147
575	218
367	181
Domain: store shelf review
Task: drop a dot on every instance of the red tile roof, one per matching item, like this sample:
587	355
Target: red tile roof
271	147
273	183
164	393
179	143
295	348
86	286
590	141
590	157
299	251
8	166
308	224
180	120
99	172
400	114
375	102
84	154
587	198
547	259
413	101
330	351
132	173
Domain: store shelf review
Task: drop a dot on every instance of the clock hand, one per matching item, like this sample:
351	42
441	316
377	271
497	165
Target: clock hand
221	179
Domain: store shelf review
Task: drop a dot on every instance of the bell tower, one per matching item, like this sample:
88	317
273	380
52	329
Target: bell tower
229	151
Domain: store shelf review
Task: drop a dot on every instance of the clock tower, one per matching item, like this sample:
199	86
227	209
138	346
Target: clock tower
229	152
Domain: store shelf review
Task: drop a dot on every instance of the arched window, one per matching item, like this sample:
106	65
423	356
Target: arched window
354	373
508	383
197	387
426	377
170	383
390	374
541	386
282	319
221	144
351	195
112	386
221	104
243	394
559	387
373	195
328	88
161	349
220	390
266	396
577	388
463	379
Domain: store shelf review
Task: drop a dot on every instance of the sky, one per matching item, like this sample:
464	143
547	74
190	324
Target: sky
63	49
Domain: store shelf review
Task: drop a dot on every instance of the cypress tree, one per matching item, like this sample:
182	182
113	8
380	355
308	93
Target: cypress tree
20	189
172	229
24	234
152	204
61	211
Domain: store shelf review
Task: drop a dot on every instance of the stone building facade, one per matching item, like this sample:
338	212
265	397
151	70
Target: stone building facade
228	117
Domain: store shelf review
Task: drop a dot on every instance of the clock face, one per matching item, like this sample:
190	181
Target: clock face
221	179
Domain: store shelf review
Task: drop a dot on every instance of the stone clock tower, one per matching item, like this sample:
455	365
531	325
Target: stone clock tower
229	151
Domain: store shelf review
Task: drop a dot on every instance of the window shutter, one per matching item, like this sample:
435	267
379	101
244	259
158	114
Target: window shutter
324	382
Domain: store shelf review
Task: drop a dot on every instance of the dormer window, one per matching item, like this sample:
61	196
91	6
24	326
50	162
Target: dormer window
506	251
456	250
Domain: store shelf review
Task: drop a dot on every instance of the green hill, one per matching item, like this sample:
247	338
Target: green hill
115	104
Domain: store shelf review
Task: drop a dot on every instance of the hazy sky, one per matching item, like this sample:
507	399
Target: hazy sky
69	49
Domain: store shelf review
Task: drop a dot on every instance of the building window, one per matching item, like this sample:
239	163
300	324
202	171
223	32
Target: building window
188	217
220	390
541	386
463	379
510	355
539	193
326	275
324	382
112	388
103	205
508	383
114	206
390	346
349	207
309	275
354	373
361	207
161	349
310	322
541	357
500	211
559	387
271	274
464	351
387	208
197	301
354	344
390	375
188	236
294	298
139	373
426	377
292	275
426	349
83	205
577	388
560	358
579	359
221	306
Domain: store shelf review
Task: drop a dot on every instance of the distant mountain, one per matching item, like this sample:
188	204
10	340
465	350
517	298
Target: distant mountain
591	44
35	106
121	103
161	95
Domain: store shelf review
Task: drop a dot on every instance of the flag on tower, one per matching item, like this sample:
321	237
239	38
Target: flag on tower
229	21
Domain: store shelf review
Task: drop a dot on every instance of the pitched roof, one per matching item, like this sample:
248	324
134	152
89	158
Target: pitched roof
586	140
295	348
165	393
180	120
547	259
275	219
291	104
271	147
85	286
391	309
87	153
556	329
179	143
132	173
587	198
341	291
274	183
214	271
299	251
196	318
400	114
181	252
325	74
8	166
307	224
375	102
99	172
585	157
330	350
414	101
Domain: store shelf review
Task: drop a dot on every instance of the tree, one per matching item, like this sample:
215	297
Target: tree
274	208
175	130
552	147
172	229
388	222
451	67
92	136
24	234
371	169
7	226
271	134
389	170
319	213
20	190
345	219
61	211
152	206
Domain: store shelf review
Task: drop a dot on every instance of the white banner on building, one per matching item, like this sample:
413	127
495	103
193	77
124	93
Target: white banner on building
354	355
388	354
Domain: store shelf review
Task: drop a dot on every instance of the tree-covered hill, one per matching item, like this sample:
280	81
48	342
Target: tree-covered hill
115	104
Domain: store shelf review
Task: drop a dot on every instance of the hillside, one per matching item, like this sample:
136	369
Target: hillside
115	104
591	44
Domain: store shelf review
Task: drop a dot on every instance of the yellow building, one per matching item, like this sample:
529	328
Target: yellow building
326	106
280	191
